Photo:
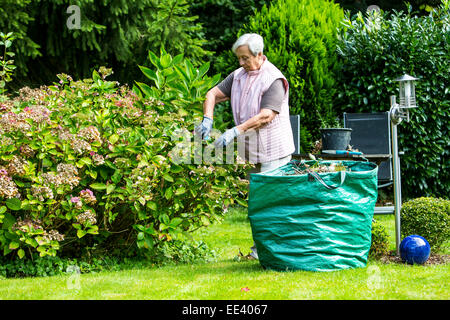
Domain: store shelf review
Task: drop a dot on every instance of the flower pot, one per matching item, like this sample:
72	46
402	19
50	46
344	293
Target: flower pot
336	138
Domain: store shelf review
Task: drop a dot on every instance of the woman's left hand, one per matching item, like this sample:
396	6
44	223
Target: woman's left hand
227	137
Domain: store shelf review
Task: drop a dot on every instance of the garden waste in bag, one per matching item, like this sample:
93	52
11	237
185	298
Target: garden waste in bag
305	218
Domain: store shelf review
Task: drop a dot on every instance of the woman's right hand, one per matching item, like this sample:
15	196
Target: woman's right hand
204	128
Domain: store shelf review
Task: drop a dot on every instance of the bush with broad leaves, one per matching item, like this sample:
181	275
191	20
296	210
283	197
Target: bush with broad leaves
88	166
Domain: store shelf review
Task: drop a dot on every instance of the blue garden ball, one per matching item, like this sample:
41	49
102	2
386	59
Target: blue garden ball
414	249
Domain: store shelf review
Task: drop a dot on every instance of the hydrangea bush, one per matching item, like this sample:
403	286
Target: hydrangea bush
86	166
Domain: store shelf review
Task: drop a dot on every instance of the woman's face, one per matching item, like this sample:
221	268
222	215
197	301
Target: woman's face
247	60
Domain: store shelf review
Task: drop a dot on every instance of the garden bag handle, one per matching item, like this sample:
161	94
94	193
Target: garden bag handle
314	175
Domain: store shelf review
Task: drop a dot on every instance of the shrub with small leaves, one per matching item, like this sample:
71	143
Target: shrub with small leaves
6	62
377	48
179	252
380	240
427	217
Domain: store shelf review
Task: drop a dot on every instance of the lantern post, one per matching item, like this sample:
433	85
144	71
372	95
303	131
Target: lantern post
398	112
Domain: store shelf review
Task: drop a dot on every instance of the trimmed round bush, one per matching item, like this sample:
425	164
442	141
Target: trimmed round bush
428	217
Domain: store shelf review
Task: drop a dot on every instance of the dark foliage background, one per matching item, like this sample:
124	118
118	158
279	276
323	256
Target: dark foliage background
373	53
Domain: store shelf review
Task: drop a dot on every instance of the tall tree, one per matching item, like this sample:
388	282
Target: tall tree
114	33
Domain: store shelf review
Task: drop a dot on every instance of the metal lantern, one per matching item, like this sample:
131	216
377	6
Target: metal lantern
407	97
407	91
398	112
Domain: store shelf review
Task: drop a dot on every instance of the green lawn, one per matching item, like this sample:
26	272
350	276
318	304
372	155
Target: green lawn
224	279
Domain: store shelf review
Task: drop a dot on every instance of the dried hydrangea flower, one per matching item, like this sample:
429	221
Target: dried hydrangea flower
10	122
26	94
42	192
8	188
37	113
51	235
16	166
87	216
67	169
88	196
27	224
55	235
27	151
80	146
90	134
65	135
66	174
98	159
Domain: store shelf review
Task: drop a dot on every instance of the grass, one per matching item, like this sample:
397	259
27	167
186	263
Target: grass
224	278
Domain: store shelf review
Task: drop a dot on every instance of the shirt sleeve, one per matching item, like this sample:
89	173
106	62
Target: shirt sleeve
226	84
273	97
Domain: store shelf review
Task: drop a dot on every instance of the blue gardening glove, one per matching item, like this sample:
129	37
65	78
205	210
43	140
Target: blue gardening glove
227	137
204	128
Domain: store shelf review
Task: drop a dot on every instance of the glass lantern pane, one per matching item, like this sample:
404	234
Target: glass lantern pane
413	95
401	85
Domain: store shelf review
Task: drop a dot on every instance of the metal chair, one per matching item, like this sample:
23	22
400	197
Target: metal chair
371	134
295	124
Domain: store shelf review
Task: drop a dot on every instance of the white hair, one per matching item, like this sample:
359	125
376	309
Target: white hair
254	42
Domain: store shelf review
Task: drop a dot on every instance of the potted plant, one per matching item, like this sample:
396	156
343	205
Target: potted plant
334	135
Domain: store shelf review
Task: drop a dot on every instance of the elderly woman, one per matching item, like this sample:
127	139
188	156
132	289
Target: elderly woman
259	100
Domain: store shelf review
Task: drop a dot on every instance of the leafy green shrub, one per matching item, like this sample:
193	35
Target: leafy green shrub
376	49
15	17
52	266
427	217
174	80
177	83
380	240
6	64
300	39
168	253
180	252
87	167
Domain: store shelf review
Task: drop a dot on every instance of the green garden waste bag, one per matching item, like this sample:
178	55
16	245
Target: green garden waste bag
313	221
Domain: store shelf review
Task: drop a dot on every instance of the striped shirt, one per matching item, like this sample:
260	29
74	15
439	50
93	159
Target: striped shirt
271	99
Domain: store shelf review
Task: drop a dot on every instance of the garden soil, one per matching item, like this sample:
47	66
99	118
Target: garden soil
434	258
